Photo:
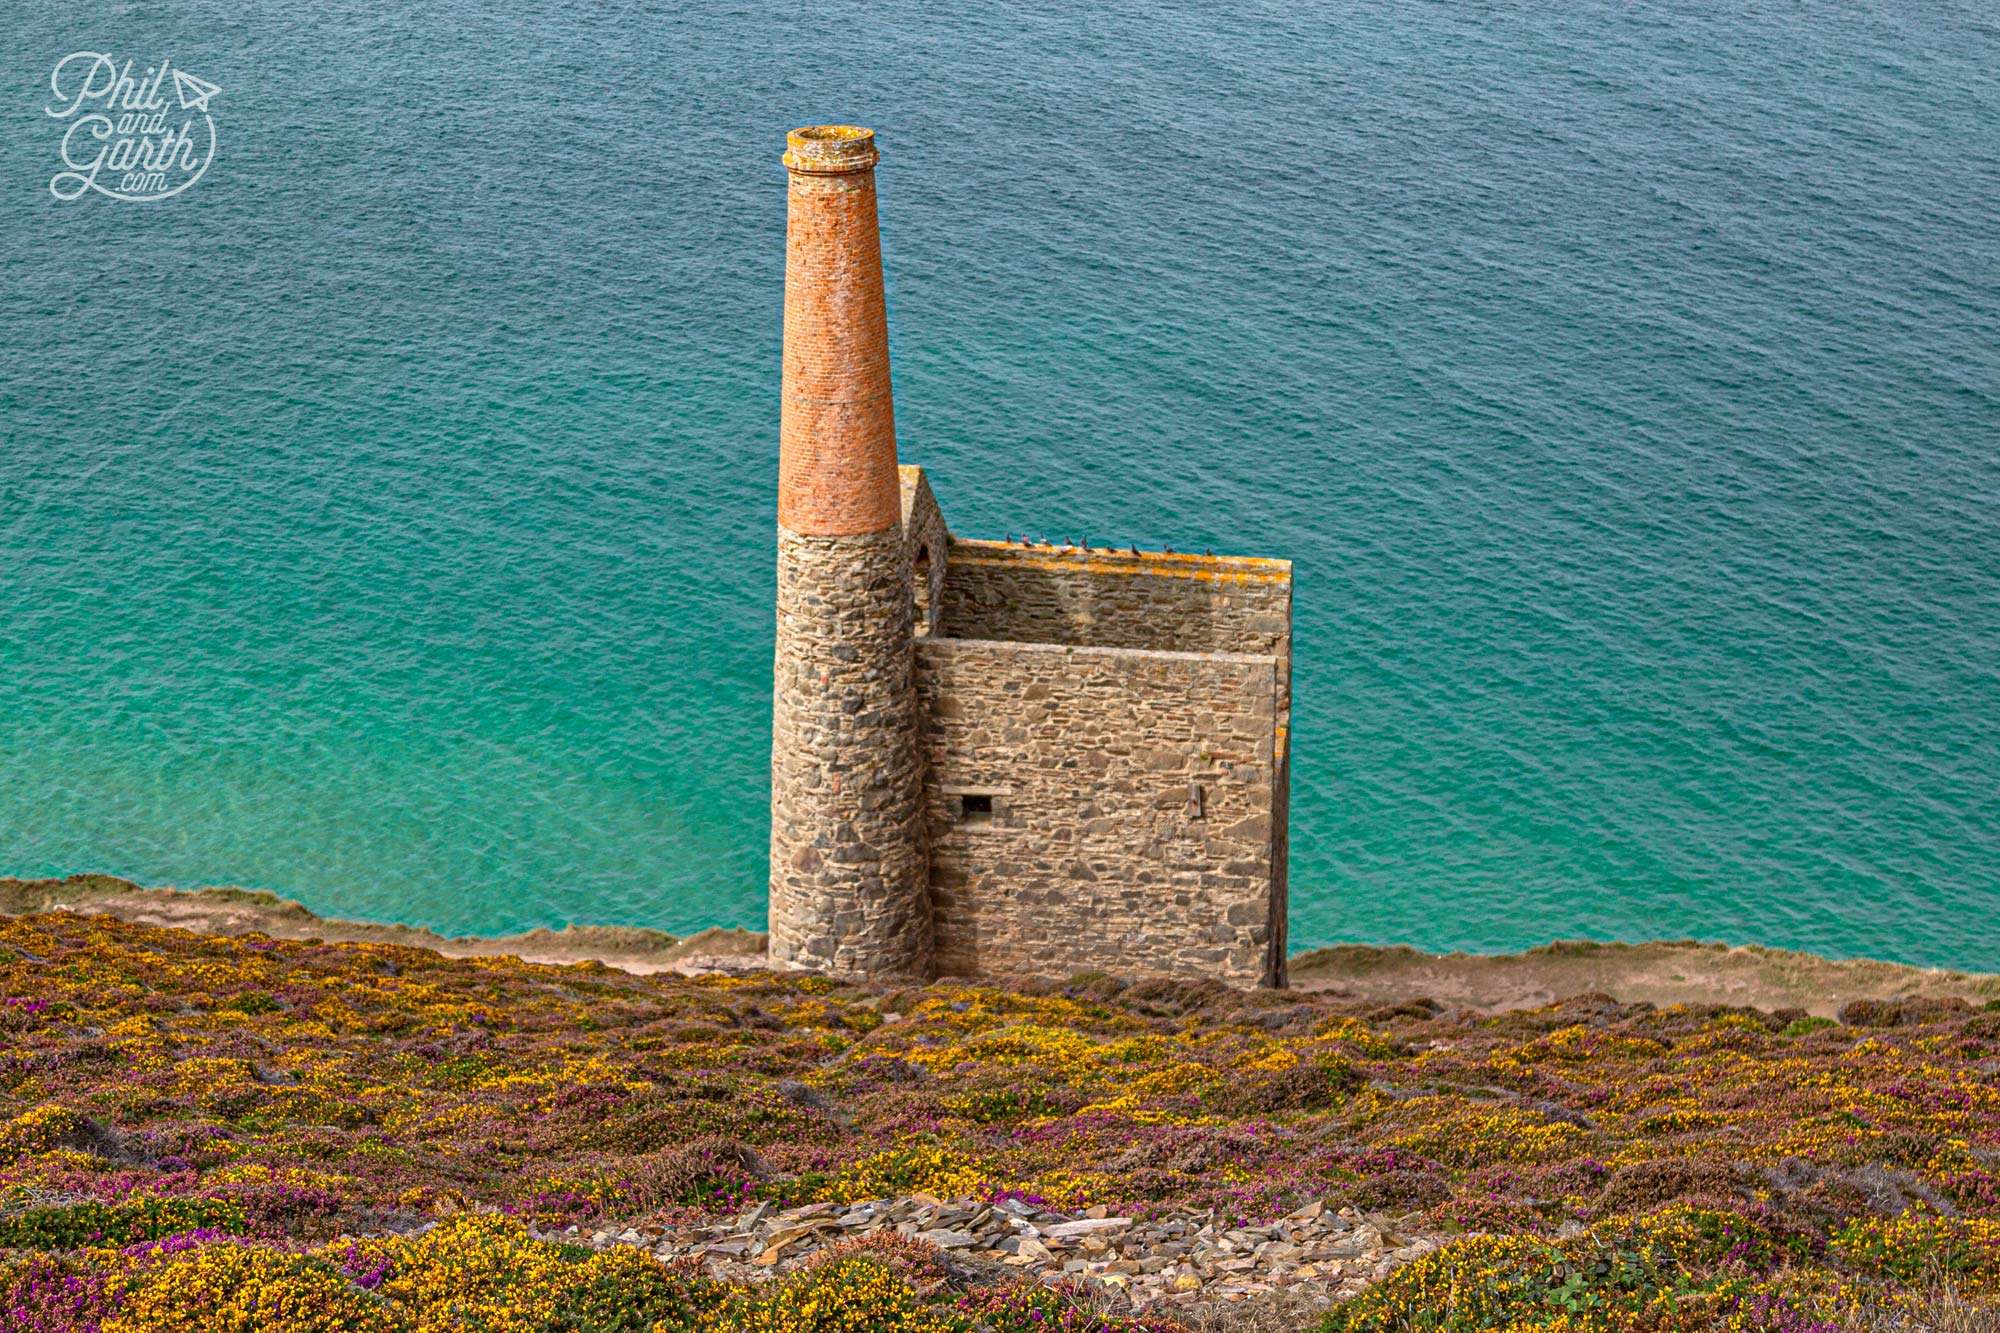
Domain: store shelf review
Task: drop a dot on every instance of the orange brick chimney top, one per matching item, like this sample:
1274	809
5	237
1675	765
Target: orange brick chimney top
837	435
831	150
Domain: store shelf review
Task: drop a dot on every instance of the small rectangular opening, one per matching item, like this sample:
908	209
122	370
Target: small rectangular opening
976	807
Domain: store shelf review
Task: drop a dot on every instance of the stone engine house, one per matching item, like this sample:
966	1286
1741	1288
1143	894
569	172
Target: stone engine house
992	758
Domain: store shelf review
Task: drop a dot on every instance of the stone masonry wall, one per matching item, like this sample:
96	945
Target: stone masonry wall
1100	808
1277	967
928	546
848	870
1115	599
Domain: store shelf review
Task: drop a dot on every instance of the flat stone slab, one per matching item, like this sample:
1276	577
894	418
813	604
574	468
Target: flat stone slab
1084	1226
947	1239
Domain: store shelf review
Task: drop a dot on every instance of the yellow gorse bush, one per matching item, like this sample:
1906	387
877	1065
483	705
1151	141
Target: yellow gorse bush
38	1130
847	1296
250	1289
482	1272
915	1168
1576	1045
487	1275
1918	1247
1466	1135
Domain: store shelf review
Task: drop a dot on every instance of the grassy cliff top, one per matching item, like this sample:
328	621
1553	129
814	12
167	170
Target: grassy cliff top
1586	1165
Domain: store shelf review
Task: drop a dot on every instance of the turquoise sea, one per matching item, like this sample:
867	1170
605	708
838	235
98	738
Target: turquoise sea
386	520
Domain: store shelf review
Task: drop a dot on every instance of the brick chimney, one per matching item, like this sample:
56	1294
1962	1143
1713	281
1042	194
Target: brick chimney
849	874
837	444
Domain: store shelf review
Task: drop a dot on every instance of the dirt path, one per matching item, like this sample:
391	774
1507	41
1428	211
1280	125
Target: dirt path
241	911
1682	972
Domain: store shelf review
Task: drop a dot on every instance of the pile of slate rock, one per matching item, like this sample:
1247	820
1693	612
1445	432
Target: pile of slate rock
1178	1257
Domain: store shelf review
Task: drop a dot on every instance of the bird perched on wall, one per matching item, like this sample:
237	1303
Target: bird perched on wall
1134	549
1168	549
1207	551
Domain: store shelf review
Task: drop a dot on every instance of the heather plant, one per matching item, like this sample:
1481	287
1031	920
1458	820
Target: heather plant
915	1263
55	1293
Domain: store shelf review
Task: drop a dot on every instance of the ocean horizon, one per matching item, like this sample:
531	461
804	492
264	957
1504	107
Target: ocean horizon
387	518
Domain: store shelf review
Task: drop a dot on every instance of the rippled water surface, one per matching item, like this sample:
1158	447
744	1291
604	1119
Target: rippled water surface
387	519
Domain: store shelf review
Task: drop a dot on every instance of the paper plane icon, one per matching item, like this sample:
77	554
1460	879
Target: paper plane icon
194	93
